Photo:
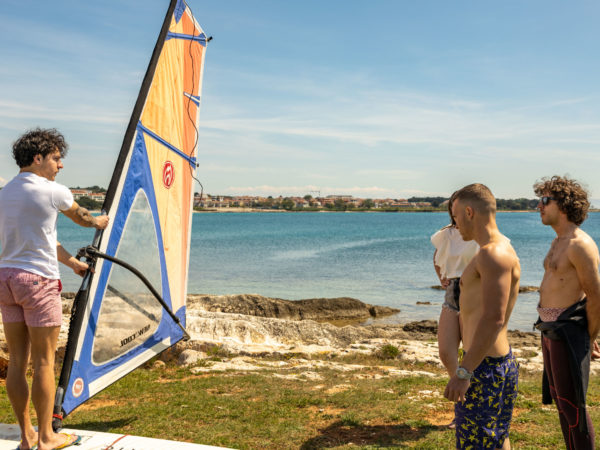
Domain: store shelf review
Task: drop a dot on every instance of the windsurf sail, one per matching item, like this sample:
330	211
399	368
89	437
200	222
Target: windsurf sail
132	306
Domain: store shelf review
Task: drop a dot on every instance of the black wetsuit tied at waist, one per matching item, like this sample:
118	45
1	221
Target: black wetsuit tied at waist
571	327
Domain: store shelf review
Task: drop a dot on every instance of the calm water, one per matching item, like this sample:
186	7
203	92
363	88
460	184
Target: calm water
379	258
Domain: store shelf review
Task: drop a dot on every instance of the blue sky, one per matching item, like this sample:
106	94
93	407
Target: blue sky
373	99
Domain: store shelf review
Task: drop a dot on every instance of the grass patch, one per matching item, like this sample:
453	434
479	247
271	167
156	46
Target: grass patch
359	408
387	351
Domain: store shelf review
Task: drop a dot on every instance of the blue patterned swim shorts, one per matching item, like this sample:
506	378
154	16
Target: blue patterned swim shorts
483	419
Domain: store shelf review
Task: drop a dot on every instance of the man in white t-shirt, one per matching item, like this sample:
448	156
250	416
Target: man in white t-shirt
30	281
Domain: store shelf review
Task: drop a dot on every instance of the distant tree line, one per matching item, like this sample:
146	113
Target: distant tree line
501	203
517	203
95	189
435	201
368	204
89	203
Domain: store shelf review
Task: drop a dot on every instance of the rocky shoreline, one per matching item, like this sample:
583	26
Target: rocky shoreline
250	326
318	309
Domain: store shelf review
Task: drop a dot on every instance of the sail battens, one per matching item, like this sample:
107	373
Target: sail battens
125	313
201	38
156	137
194	98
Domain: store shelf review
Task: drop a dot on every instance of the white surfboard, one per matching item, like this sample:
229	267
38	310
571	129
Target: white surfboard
94	440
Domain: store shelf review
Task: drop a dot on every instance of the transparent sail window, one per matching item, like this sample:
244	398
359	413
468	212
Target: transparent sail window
130	314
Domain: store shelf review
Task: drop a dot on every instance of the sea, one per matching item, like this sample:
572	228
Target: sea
379	258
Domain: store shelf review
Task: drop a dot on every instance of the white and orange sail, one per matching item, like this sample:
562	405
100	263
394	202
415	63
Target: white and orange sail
117	323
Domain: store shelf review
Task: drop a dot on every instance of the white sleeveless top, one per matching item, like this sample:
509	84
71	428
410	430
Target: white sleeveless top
453	254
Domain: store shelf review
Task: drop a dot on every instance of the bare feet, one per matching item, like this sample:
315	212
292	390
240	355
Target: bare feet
60	440
28	439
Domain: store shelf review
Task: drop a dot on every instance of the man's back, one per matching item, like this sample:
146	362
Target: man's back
29	206
496	266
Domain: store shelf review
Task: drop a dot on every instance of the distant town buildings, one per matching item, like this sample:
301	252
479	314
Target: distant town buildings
96	196
308	201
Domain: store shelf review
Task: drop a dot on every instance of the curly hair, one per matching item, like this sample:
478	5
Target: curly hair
570	196
38	142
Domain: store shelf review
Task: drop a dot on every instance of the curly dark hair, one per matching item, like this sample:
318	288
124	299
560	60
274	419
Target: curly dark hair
571	197
38	142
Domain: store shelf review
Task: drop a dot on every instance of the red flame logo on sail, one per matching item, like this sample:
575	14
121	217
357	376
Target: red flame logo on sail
78	387
168	174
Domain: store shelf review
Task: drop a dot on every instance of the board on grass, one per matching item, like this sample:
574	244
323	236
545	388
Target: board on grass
94	440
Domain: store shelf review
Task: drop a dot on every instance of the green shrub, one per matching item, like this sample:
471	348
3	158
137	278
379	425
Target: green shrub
388	351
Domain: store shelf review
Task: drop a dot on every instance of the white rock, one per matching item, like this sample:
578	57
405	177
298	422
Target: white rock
189	357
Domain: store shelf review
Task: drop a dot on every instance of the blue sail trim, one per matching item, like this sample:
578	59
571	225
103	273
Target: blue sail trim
201	38
179	10
156	137
194	98
138	177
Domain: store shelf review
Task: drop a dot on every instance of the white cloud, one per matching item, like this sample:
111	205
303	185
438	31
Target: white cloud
289	133
371	117
396	140
314	190
266	190
421	193
77	113
405	174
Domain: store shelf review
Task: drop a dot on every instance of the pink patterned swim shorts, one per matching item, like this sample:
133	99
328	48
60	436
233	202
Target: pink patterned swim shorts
34	299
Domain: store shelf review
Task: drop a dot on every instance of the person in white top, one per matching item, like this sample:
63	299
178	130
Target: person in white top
452	254
30	280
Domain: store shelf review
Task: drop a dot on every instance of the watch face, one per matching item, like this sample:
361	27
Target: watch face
463	373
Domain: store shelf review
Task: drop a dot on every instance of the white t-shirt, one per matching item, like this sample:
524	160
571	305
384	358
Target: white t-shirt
29	206
453	254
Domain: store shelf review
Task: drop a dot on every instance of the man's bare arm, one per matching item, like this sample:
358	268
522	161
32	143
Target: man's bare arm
584	257
83	217
69	260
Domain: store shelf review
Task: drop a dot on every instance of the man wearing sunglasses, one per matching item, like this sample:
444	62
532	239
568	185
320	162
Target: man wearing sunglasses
569	308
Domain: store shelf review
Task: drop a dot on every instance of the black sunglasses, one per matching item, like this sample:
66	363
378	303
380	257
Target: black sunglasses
545	200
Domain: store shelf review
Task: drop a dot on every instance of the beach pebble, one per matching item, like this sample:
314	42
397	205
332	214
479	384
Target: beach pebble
158	364
189	357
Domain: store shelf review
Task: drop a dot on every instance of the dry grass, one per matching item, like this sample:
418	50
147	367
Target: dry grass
364	408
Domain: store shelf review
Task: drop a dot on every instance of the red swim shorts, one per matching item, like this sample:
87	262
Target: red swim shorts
34	299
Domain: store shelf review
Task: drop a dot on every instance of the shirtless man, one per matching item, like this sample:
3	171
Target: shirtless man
485	384
569	307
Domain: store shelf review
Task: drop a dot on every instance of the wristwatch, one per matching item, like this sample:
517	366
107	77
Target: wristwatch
463	373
